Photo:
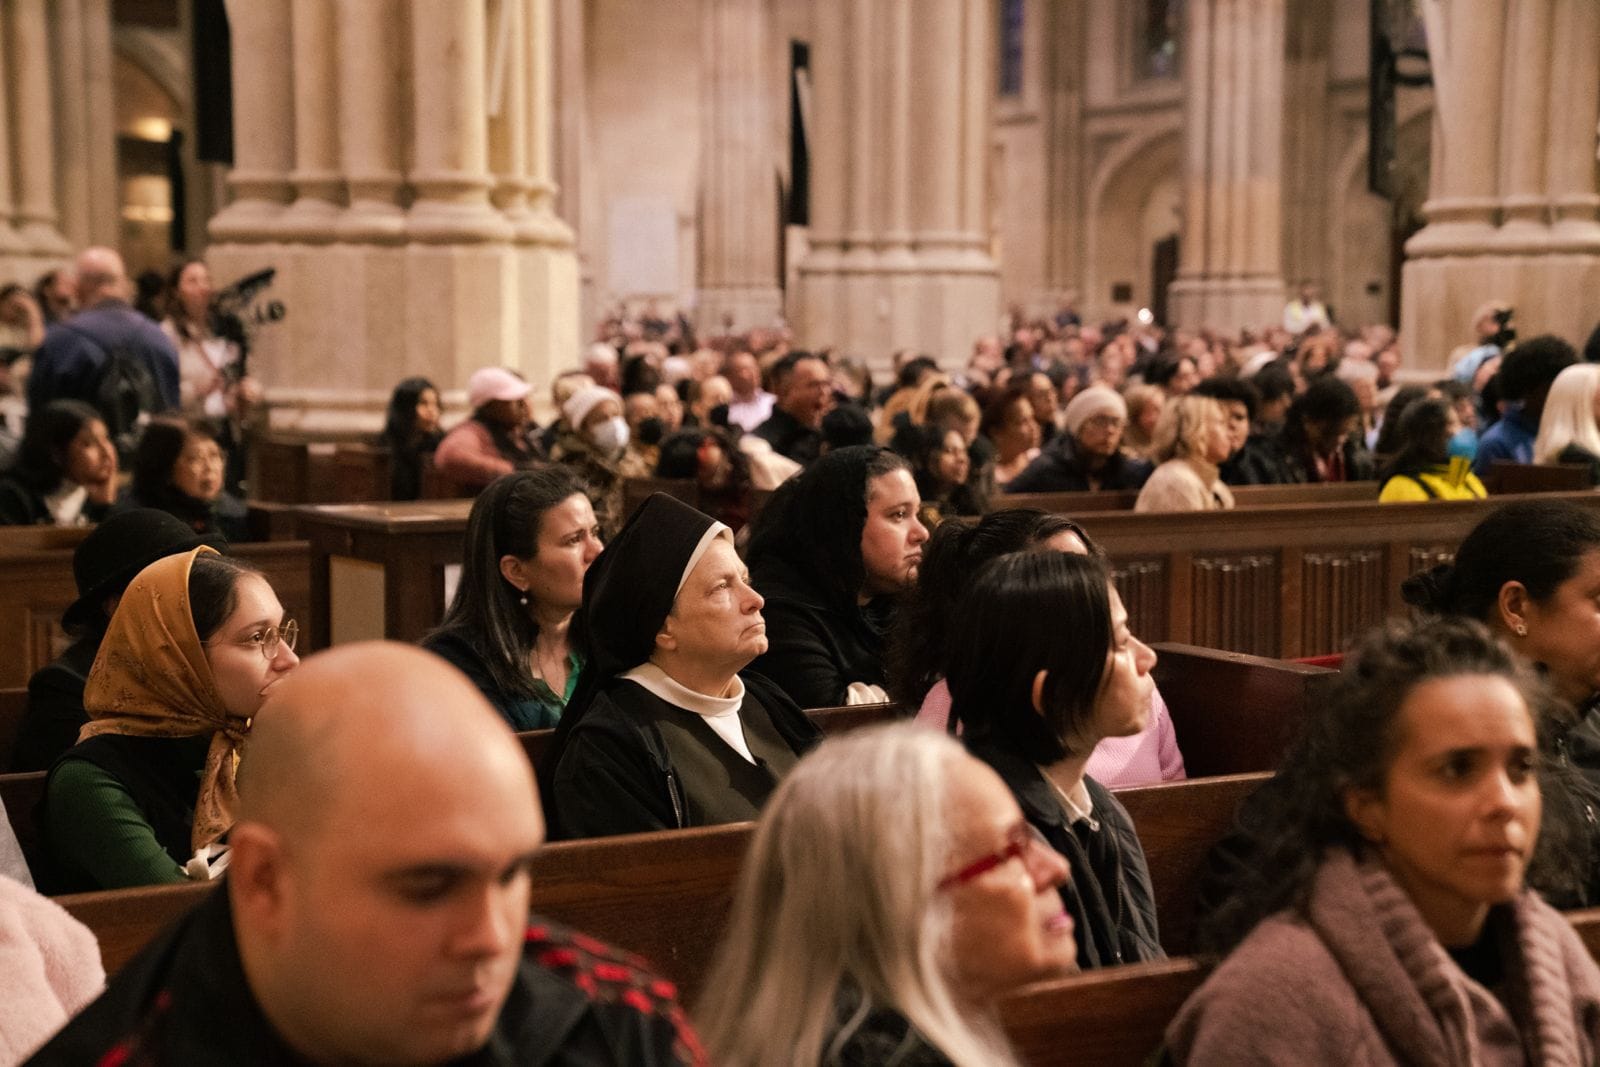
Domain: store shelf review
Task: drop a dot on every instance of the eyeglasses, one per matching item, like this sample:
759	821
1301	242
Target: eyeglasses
1018	842
1104	423
268	640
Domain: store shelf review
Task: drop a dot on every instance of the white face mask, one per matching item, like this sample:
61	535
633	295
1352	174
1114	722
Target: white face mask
610	436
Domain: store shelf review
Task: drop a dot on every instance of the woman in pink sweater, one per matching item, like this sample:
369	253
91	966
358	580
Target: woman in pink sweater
917	654
1386	920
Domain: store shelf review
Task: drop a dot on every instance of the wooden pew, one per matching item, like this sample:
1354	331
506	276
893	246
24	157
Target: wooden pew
1111	1018
1245	496
37	586
21	793
13	703
1233	713
1505	477
666	895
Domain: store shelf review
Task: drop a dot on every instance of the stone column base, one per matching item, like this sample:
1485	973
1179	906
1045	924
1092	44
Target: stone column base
869	312
362	317
1227	304
1557	294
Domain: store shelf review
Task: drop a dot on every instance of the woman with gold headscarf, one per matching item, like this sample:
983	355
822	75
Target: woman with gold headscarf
193	647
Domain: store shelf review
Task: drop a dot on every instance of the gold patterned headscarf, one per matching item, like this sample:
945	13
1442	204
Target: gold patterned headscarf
151	679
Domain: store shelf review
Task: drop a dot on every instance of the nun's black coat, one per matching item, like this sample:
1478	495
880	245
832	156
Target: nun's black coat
616	775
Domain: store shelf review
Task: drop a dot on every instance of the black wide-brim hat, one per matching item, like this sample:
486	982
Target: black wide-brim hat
118	549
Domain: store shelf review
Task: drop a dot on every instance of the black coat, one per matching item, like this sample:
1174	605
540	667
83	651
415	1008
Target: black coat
614	774
1109	896
21	504
185	1000
55	714
815	649
1257	463
789	437
1293	460
1058	469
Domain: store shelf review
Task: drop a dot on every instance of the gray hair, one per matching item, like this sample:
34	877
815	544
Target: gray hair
838	890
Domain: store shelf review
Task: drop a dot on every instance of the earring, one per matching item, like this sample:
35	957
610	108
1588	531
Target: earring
1520	630
523	599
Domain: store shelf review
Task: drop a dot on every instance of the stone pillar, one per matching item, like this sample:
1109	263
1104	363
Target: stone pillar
35	153
85	132
370	37
572	150
318	186
876	170
1514	195
739	207
440	263
1231	254
263	120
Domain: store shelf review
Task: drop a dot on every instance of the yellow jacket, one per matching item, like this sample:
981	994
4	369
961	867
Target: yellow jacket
1437	483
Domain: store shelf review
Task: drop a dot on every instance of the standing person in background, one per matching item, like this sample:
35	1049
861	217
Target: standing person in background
1306	310
410	432
210	380
495	440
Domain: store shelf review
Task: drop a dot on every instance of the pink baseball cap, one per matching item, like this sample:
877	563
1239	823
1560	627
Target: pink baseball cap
495	383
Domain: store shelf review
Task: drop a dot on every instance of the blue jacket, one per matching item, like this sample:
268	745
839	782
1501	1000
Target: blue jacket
1511	438
68	363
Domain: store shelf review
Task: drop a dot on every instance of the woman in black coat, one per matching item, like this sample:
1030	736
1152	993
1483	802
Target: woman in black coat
830	552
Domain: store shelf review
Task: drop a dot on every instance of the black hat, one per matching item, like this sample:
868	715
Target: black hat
117	550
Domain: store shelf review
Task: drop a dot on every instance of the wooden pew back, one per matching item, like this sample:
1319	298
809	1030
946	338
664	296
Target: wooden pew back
21	793
13	705
1233	713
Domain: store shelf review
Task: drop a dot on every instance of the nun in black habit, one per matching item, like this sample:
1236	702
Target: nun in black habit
665	730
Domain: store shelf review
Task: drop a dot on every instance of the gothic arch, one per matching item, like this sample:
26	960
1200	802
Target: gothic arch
1118	246
1361	225
160	57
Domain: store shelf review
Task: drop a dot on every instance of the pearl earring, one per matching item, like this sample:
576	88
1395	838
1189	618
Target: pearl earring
523	599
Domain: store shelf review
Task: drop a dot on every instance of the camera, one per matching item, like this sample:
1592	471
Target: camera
1504	332
236	312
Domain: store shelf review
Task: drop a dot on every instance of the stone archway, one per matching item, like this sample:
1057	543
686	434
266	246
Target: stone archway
1134	203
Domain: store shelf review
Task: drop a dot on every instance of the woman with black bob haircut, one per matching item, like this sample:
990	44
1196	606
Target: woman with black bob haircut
1422	468
919	642
530	539
1033	706
65	470
410	432
1386	915
831	552
178	467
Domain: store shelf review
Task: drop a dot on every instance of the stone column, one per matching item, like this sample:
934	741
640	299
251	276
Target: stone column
313	216
371	43
1504	171
263	120
572	149
36	164
450	138
1231	254
885	159
548	301
11	243
85	133
739	206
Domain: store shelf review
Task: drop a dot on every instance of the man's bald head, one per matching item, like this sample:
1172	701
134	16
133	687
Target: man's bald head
360	715
101	276
380	871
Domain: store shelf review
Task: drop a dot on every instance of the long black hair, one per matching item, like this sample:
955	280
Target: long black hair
400	425
1388	442
956	551
1349	744
1424	439
40	460
487	611
157	454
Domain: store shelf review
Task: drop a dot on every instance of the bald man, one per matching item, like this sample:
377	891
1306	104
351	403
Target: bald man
376	904
71	364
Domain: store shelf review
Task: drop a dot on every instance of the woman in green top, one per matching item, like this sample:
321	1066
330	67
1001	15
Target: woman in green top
530	539
194	646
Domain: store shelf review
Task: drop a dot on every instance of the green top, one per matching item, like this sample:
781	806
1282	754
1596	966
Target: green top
543	710
96	828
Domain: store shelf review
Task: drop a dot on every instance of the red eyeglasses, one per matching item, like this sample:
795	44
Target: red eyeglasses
1018	842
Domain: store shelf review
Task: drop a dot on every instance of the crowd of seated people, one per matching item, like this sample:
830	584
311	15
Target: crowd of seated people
373	806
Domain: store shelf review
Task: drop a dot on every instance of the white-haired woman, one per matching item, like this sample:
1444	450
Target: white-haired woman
1191	439
1568	432
953	903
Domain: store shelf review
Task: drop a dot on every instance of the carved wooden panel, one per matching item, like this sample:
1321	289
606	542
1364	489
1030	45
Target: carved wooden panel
1423	557
1234	603
1343	594
1142	584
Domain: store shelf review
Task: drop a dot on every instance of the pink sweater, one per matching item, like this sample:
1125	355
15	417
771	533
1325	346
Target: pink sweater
1148	757
49	970
1358	979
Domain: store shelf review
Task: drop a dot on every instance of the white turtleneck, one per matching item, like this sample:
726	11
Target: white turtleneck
720	713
